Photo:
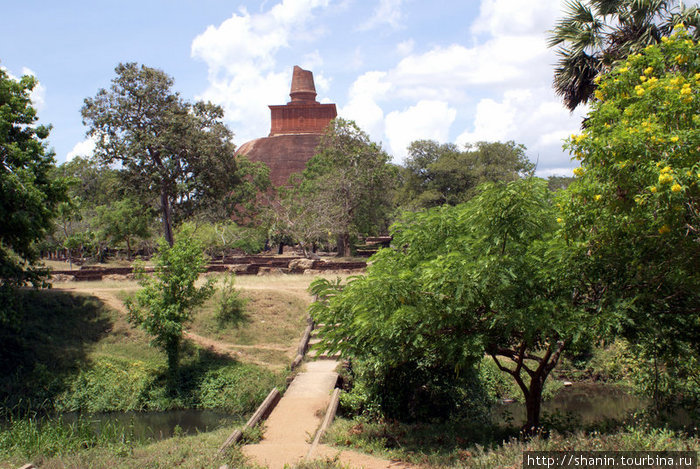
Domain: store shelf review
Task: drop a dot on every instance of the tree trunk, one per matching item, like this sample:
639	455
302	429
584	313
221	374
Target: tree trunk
533	404
344	245
172	349
128	249
167	217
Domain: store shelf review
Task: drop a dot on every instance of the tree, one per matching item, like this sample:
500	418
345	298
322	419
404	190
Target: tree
89	185
165	303
350	180
123	220
634	209
177	152
487	276
436	174
595	35
28	194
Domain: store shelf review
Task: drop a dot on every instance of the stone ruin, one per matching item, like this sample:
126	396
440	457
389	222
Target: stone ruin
295	131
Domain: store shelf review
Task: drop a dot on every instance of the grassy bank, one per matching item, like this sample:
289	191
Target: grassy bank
75	351
461	444
57	445
72	353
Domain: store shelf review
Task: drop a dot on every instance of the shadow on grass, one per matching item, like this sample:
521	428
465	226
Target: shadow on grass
46	346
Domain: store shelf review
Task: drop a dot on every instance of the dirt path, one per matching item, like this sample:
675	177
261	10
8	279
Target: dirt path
293	423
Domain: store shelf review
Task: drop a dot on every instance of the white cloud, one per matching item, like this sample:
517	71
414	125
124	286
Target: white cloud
406	47
534	117
362	104
426	120
386	12
38	94
84	149
497	88
241	56
516	17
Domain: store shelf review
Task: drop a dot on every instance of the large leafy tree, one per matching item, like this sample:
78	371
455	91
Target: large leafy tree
436	174
594	35
350	181
487	276
28	193
178	153
635	207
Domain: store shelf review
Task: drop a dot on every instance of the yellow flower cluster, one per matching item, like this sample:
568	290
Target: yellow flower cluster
686	89
578	171
639	90
676	188
648	70
665	178
597	197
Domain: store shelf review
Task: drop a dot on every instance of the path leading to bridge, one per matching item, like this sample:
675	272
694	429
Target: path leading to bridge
292	425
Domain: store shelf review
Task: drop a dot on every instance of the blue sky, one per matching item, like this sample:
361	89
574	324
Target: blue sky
453	71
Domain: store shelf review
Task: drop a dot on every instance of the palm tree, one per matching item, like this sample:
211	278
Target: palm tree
595	34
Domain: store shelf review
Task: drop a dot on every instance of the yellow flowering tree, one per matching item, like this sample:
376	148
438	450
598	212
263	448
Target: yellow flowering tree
634	210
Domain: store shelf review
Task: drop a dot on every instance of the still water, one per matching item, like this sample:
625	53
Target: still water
161	425
586	403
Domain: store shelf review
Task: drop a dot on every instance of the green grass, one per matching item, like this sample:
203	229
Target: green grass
72	352
118	451
461	444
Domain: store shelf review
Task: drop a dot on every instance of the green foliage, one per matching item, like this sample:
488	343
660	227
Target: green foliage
596	35
178	153
29	195
166	302
230	308
488	276
124	221
344	191
40	358
29	436
436	174
633	215
459	444
221	237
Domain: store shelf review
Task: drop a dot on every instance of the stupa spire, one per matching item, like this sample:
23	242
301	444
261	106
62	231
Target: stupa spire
303	89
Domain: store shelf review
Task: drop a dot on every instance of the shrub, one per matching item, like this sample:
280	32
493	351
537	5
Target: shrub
231	306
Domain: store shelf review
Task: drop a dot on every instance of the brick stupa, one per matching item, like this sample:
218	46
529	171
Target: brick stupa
295	131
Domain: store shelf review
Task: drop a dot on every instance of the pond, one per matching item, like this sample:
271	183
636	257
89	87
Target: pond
587	403
161	425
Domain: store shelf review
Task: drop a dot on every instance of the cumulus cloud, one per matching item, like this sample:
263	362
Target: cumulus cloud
38	94
362	106
534	117
515	17
387	12
508	67
241	57
82	149
426	120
